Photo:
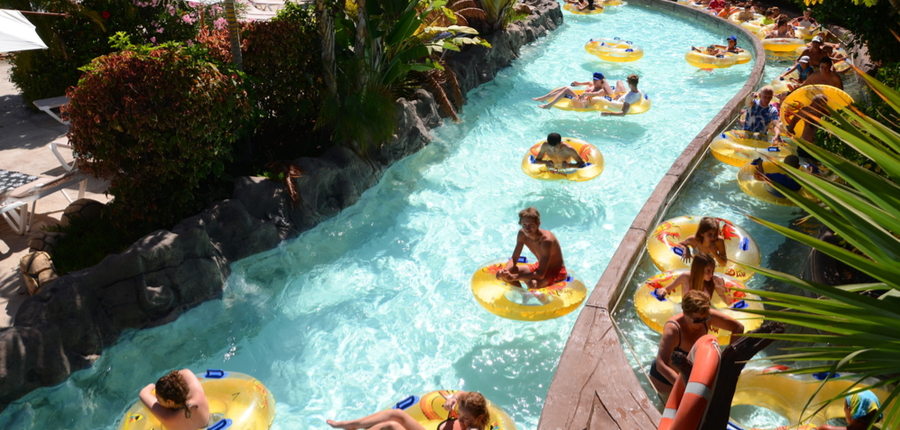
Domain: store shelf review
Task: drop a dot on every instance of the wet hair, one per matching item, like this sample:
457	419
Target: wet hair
476	404
792	160
172	387
707	224
529	212
590	4
782	20
701	261
554	139
694	302
632	79
767	88
826	60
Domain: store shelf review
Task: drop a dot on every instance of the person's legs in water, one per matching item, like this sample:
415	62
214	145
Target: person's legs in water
388	419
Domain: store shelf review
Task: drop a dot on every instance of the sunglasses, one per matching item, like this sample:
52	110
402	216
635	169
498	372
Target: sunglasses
702	320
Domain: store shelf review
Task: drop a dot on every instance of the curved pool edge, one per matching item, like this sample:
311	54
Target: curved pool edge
594	386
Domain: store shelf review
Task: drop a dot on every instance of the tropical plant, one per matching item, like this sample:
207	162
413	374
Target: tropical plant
376	52
859	334
496	11
866	22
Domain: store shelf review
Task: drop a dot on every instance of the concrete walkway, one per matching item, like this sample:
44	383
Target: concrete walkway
24	136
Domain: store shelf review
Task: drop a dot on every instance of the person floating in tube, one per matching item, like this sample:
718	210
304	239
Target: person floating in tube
596	87
550	267
179	402
555	154
628	99
472	414
860	410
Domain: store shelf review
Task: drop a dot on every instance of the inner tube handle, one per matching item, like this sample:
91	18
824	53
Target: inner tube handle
215	373
655	294
223	424
740	304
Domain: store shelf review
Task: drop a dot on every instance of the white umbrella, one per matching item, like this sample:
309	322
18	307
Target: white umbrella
17	33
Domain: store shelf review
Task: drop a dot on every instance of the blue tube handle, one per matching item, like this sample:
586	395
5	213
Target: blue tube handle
740	304
406	403
678	251
745	244
215	373
223	424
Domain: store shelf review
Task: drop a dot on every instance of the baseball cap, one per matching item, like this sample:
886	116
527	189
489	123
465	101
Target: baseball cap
804	59
732	37
817	39
598	76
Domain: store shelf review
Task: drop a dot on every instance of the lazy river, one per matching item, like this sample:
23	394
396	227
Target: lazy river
375	303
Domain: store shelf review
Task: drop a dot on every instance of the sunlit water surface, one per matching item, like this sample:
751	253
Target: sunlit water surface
375	303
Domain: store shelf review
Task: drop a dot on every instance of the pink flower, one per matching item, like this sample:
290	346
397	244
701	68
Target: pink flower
187	19
153	39
220	23
160	30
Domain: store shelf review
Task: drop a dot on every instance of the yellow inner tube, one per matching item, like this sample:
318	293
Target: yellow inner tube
507	301
605	103
741	57
241	399
738	147
739	246
609	2
787	394
705	61
588	153
428	409
655	312
782	44
597	9
802	97
615	50
760	189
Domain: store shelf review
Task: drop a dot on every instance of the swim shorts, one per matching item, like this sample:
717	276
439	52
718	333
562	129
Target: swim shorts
552	277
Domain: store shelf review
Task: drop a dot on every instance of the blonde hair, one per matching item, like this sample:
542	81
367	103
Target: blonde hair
530	212
476	404
701	261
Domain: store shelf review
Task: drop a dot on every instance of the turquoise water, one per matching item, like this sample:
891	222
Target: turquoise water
375	303
712	190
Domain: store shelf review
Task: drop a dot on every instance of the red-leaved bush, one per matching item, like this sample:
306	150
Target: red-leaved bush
156	122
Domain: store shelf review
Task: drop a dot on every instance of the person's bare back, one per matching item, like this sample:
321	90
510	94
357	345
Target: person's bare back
179	402
556	154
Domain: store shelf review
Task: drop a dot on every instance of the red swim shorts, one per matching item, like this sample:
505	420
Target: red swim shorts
552	276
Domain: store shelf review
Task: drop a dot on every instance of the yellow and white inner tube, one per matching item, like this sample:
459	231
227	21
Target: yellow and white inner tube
590	154
787	394
739	246
609	2
739	147
782	44
802	97
753	26
513	302
236	401
655	311
615	50
784	84
597	9
703	60
759	189
428	409
606	103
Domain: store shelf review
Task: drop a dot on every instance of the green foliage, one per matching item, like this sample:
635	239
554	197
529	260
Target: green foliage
283	73
76	40
158	122
88	242
860	333
497	11
870	24
512	17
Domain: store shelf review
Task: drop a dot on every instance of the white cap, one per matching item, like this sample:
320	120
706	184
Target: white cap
804	59
817	39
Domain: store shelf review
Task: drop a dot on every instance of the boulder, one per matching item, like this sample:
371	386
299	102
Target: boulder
44	241
84	208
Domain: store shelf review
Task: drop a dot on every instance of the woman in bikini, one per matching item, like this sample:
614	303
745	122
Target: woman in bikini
706	240
682	331
472	412
596	87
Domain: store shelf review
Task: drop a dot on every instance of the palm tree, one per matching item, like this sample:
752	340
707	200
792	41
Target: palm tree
858	333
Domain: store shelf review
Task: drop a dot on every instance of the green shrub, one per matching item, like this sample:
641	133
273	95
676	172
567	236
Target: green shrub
88	242
282	62
870	24
159	123
83	36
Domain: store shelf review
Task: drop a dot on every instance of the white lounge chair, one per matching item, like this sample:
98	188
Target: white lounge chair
14	206
47	105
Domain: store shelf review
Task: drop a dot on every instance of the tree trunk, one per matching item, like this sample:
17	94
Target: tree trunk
234	35
359	47
326	33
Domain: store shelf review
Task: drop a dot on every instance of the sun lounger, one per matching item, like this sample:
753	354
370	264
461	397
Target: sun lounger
14	204
47	105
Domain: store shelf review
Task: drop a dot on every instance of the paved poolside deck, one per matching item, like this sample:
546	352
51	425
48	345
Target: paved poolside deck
24	136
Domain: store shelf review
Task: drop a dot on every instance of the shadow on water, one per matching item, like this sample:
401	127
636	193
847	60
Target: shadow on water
716	77
612	71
